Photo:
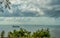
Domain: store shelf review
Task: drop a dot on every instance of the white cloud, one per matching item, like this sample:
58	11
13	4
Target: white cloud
36	7
13	1
31	3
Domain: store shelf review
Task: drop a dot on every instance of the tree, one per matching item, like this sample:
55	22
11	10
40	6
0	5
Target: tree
41	33
2	34
47	33
10	35
1	7
23	33
7	4
15	34
27	33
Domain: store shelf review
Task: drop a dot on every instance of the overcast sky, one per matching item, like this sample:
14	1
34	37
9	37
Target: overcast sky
32	8
33	12
30	20
43	12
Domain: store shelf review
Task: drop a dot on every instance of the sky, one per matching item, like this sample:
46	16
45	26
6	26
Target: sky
43	12
29	8
29	20
30	12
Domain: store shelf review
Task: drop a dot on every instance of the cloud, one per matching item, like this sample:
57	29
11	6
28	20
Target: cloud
29	20
55	2
32	8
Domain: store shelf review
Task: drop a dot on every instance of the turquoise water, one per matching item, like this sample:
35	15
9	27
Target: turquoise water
54	29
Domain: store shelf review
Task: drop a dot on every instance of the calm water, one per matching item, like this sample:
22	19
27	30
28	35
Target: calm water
54	29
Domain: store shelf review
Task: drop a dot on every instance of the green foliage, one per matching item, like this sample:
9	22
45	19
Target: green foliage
17	34
23	33
2	34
